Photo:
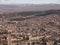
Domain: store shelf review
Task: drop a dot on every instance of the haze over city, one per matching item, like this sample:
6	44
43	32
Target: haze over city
29	1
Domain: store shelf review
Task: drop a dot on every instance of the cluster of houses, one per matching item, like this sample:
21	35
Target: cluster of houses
11	39
38	31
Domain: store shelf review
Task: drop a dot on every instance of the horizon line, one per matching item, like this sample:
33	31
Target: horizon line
29	3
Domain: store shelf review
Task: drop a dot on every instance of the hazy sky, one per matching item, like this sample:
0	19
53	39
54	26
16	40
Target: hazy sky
28	1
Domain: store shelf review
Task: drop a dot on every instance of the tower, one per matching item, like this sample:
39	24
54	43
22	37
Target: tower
9	39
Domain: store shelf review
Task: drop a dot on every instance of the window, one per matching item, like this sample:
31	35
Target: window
5	44
17	44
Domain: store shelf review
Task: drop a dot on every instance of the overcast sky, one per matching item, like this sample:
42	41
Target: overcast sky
28	1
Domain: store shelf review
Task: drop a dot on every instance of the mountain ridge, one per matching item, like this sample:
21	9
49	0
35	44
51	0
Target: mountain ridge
28	7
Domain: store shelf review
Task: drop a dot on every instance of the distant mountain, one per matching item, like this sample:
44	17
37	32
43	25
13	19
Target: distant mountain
8	6
29	7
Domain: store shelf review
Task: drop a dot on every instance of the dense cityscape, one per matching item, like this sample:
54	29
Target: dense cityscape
39	30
